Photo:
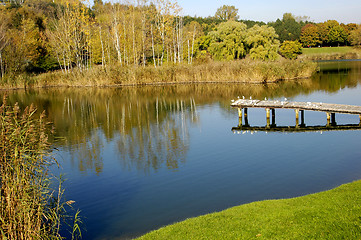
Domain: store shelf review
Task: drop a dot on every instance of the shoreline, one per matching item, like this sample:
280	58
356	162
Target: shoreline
242	71
153	84
244	220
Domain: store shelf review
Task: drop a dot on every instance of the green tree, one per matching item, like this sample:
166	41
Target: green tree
288	28
226	13
290	49
262	42
227	42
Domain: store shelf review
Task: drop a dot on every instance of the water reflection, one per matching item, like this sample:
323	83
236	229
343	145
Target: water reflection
148	126
151	142
149	132
273	128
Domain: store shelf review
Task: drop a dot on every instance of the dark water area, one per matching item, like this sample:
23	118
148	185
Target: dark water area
139	158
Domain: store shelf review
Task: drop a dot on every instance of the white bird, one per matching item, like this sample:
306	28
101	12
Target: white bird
242	97
265	99
285	99
250	97
232	100
238	97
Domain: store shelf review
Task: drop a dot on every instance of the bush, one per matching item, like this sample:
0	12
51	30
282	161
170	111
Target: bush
291	49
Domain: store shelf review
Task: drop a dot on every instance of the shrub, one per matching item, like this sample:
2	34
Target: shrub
291	49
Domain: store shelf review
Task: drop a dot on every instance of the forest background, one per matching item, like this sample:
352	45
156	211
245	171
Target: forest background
38	36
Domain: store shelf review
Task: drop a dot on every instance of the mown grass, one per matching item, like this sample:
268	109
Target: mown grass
247	71
319	50
330	53
29	207
334	214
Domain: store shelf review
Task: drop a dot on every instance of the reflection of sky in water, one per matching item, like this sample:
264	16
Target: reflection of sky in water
199	165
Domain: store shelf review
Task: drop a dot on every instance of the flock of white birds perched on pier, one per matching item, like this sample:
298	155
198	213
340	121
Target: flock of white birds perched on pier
313	106
250	98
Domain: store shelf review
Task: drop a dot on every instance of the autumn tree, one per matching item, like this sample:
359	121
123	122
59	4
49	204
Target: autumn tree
69	36
336	35
226	13
191	32
310	36
355	36
22	39
348	29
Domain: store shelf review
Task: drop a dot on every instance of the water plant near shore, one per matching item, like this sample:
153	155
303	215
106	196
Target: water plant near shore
29	207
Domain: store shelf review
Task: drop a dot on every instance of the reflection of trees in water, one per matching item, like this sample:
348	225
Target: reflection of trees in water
165	142
152	132
151	122
87	154
338	75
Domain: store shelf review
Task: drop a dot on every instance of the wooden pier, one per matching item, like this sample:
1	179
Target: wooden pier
299	107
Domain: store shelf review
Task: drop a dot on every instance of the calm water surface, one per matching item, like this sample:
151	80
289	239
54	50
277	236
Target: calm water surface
136	159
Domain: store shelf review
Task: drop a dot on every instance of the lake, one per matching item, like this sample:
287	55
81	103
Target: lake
138	158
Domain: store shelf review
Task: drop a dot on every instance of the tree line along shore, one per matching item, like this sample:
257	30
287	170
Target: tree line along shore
130	40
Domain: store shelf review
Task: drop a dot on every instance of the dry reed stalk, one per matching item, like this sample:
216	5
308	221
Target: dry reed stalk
27	209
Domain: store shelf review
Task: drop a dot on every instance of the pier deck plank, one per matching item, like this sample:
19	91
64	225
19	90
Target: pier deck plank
312	106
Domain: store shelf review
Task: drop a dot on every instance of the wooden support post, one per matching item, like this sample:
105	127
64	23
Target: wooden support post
273	117
240	112
268	117
302	118
240	122
246	116
328	118
240	117
297	116
333	119
360	119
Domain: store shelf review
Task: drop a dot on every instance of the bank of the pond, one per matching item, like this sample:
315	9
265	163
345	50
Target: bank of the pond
245	71
330	53
334	214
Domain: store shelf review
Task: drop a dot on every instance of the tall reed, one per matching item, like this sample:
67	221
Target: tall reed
29	209
246	71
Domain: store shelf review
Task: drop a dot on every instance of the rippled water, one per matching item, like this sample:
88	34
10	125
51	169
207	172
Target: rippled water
138	158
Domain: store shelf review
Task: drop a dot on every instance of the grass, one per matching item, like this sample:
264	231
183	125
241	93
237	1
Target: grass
323	50
247	71
330	53
334	214
29	208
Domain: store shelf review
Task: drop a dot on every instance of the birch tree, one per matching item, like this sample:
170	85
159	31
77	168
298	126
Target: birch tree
3	43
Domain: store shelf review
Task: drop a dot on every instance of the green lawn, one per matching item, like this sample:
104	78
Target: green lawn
326	50
334	214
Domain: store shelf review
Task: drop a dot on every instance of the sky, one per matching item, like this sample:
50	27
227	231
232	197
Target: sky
344	11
